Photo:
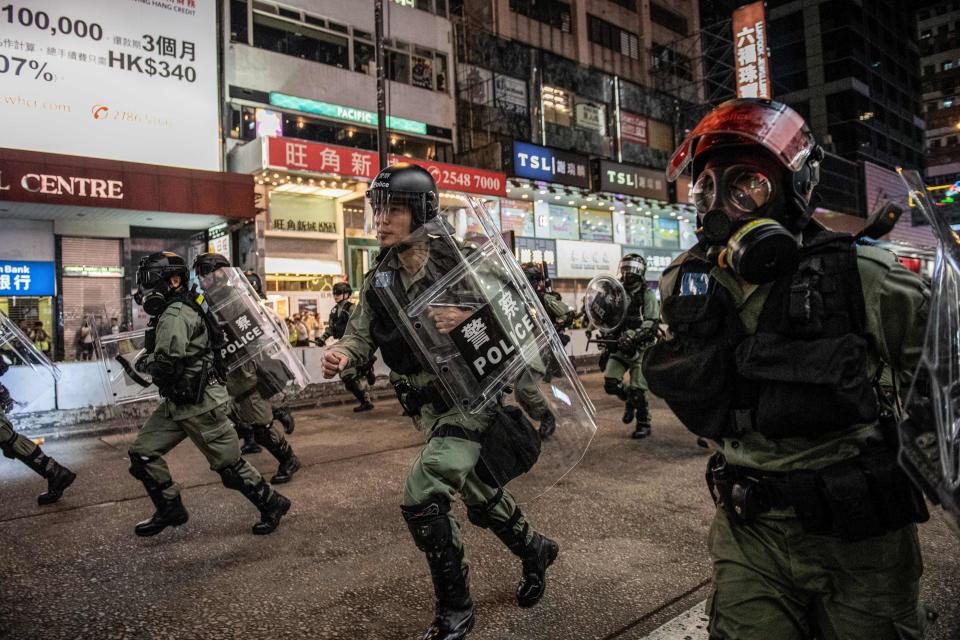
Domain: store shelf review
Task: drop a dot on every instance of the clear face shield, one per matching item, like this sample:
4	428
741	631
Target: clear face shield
466	310
27	373
930	425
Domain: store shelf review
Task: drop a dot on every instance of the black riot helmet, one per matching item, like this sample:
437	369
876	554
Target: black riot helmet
206	263
633	268
342	289
535	275
408	185
254	279
153	280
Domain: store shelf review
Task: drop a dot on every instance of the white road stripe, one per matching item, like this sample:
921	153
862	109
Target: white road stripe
689	625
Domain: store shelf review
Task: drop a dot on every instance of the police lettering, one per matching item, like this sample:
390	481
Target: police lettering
502	350
243	340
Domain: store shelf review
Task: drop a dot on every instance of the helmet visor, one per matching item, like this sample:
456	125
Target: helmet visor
776	127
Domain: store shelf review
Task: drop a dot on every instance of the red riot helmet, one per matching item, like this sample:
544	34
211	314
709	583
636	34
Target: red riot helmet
747	123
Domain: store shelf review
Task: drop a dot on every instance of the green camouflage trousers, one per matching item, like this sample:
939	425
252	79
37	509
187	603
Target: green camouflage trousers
773	581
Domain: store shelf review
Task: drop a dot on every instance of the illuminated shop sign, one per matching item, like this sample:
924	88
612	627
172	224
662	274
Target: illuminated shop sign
347	114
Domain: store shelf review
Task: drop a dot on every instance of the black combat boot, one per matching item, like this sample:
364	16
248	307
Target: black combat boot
274	442
169	513
643	416
58	477
628	413
431	530
548	425
536	556
272	506
284	417
366	405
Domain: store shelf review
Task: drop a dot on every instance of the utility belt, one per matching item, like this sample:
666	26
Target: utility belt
851	500
187	389
413	399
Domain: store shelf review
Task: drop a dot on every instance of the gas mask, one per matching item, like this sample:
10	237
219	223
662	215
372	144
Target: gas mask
152	292
736	204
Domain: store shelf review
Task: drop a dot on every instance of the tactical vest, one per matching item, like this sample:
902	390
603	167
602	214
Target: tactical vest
215	335
339	317
804	371
634	318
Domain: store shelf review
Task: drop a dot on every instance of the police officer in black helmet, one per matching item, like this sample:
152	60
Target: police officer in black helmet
352	377
405	199
183	364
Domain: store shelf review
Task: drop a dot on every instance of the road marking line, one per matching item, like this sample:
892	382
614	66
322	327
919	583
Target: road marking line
689	625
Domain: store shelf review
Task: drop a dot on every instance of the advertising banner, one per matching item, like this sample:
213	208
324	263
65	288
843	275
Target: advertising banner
584	260
633	128
550	165
596	226
511	94
27	278
299	155
750	49
537	250
123	80
631	181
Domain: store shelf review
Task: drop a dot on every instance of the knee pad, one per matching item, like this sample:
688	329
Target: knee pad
7	445
613	387
230	475
429	524
138	467
350	383
479	514
262	434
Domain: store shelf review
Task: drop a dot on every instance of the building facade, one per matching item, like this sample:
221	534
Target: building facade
938	29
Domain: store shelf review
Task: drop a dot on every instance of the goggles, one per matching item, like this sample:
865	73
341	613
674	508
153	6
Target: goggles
744	188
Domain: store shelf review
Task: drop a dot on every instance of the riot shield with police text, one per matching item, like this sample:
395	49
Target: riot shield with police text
251	333
930	425
605	303
468	314
117	355
27	377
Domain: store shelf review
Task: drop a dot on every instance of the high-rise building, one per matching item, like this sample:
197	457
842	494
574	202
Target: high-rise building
938	29
581	105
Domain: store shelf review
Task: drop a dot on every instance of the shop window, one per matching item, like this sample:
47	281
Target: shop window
596	226
555	13
398	66
441	72
300	41
626	4
612	37
557	106
239	31
364	58
666	18
421	72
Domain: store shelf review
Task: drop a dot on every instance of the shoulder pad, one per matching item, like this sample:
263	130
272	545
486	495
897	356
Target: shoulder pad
877	255
174	309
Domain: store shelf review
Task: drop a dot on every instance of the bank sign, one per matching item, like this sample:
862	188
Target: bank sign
550	165
27	278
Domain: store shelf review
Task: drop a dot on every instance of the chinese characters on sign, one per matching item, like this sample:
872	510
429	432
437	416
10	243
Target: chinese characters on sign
750	47
550	165
633	128
27	278
537	250
632	181
289	153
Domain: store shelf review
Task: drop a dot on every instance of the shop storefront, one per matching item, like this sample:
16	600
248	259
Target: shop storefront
75	229
578	204
315	214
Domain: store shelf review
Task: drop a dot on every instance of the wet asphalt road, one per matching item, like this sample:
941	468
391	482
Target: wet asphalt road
631	522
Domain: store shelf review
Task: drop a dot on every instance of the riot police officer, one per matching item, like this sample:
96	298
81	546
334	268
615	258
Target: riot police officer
16	446
779	331
183	365
281	413
560	314
336	327
249	410
632	339
404	198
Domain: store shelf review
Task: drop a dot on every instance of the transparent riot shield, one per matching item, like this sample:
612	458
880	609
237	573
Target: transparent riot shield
252	333
930	425
469	315
117	356
26	373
